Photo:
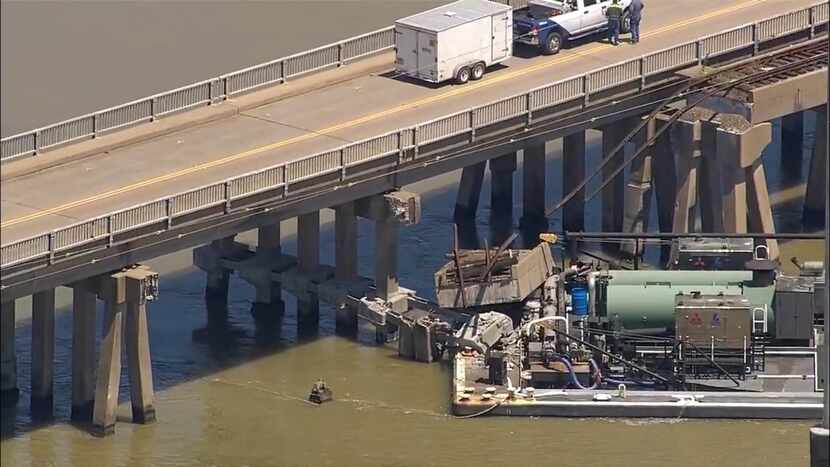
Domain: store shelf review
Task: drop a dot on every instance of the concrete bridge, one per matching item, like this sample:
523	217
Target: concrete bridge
334	128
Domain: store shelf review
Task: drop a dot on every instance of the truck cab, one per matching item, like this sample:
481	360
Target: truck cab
550	24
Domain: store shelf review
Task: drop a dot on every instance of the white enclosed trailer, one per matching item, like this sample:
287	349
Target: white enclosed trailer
456	41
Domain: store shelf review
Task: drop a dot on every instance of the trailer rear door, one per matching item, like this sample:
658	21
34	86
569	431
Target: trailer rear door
427	62
502	36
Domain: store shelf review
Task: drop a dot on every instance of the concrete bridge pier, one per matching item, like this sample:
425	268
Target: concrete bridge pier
345	232
745	197
573	172
533	188
208	259
792	143
8	356
638	192
83	351
268	307
710	187
124	294
308	261
501	196
816	196
43	352
469	192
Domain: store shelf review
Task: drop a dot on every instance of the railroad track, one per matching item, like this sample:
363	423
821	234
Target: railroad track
779	66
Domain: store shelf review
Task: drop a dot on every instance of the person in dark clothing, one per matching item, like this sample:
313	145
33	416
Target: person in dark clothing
614	14
635	14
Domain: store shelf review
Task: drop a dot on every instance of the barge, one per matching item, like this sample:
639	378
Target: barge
688	342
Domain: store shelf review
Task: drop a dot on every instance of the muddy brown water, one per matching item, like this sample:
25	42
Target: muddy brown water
234	396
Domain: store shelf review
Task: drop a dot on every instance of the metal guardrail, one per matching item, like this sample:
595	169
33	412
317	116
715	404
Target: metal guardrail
198	94
407	140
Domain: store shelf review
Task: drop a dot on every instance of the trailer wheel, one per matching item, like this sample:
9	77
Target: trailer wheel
553	44
463	75
477	72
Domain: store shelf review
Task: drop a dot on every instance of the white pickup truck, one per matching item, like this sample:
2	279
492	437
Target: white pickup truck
550	24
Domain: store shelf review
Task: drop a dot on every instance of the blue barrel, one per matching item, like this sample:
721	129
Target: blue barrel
579	301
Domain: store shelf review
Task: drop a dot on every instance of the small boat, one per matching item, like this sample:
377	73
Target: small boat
320	393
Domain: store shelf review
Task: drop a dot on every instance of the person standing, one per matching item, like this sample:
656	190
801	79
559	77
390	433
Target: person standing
614	14
635	13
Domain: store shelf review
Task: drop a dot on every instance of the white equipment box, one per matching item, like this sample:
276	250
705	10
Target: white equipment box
456	41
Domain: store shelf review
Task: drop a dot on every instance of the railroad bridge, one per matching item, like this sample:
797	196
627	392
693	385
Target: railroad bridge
332	128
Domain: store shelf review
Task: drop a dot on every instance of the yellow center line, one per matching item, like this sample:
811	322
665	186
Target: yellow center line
470	87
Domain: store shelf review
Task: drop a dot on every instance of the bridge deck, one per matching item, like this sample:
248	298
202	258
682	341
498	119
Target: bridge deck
324	119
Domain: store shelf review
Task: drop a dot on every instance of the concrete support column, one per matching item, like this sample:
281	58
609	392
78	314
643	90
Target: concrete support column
739	148
83	352
386	258
664	177
573	172
308	261
114	293
137	339
218	277
533	187
710	188
345	232
792	143
268	292
43	351
8	356
760	214
501	196
501	185
816	196
638	192
469	191
685	143
613	195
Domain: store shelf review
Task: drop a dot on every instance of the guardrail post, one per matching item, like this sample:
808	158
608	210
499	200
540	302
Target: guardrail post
415	140
227	197
153	107
343	161
642	73
340	54
51	246
94	125
283	78
400	147
529	110
211	92
699	52
755	39
168	211
224	88
472	114
109	231
812	20
585	87
285	181
36	142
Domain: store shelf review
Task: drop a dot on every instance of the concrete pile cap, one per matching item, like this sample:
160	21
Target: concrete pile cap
732	122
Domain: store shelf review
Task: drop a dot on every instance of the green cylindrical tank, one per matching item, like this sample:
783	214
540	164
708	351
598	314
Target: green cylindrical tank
644	300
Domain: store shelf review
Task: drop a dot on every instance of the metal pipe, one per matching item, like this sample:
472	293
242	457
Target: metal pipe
547	318
592	294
